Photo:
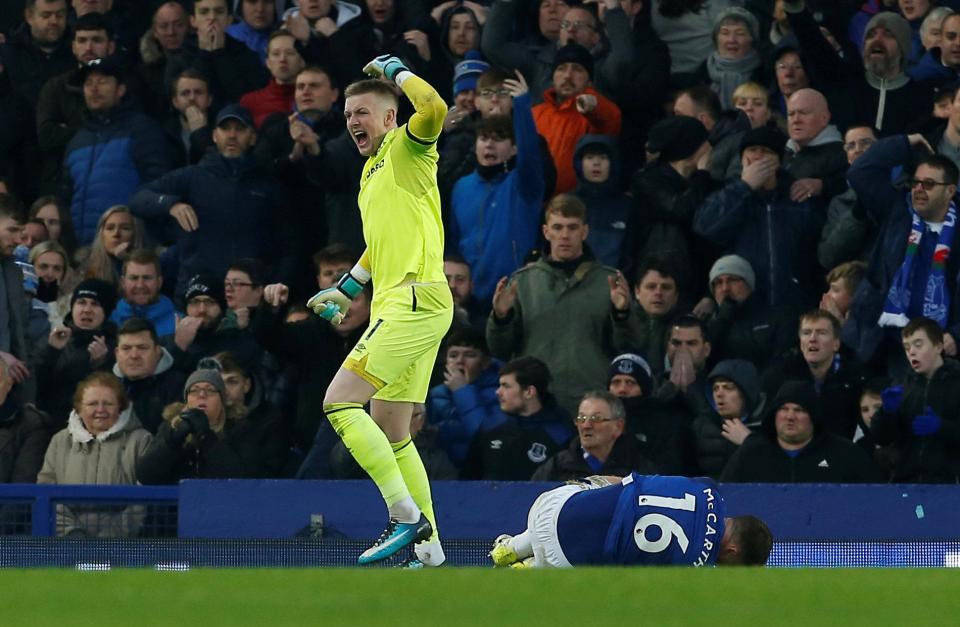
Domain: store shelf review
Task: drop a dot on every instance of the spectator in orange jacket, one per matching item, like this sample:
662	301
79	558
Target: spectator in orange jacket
571	108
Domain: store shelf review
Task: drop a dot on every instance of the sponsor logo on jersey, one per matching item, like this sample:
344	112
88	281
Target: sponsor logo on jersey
537	453
496	445
378	165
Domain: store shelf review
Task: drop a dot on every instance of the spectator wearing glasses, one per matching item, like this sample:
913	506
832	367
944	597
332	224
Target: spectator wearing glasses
206	437
914	249
601	447
243	289
458	156
101	444
206	329
532	57
849	232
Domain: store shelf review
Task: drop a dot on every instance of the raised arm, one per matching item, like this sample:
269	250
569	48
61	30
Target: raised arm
429	108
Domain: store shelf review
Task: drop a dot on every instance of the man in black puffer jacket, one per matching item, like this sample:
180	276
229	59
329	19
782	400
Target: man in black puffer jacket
793	447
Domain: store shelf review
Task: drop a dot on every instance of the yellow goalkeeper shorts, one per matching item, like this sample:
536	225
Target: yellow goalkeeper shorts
397	353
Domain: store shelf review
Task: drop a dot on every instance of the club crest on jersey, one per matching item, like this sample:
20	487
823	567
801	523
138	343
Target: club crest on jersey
537	453
378	165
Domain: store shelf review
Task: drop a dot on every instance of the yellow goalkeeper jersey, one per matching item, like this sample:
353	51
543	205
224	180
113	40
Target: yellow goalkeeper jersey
400	208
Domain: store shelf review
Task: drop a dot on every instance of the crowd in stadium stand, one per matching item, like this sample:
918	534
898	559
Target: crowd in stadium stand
694	237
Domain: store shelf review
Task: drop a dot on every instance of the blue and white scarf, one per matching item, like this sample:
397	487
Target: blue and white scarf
936	298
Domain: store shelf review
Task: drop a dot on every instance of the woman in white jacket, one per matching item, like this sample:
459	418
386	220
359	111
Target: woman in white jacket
100	445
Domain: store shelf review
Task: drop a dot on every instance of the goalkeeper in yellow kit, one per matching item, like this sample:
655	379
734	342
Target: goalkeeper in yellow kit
412	306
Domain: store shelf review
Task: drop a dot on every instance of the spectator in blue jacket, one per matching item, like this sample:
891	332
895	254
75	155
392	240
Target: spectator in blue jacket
116	151
597	164
914	249
466	402
227	206
497	207
140	282
754	217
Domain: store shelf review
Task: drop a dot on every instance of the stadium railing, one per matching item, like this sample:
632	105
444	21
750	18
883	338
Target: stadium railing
326	523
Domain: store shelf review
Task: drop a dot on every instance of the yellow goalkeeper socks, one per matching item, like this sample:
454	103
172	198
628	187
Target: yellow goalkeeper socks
415	477
370	447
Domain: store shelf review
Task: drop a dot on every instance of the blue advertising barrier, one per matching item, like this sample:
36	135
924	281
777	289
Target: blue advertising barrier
471	510
253	524
474	510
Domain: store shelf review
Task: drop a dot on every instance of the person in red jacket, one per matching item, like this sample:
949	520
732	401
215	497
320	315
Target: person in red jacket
571	108
284	63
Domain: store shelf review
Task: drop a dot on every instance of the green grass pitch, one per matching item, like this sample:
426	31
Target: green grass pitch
485	597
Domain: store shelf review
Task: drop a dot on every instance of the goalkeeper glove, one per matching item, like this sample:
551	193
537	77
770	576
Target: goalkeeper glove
333	303
385	65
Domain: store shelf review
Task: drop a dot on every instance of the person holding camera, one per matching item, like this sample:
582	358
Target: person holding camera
202	438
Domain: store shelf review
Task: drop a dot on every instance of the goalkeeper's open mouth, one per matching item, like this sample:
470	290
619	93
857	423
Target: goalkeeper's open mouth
361	139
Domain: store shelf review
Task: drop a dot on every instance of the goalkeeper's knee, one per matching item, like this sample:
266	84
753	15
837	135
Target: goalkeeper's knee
340	415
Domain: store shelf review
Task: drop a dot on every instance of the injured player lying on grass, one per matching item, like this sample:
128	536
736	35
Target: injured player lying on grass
643	520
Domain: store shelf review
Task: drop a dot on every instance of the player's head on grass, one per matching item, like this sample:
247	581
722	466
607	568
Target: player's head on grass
371	112
747	541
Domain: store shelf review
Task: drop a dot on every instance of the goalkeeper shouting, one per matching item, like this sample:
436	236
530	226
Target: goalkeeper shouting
411	309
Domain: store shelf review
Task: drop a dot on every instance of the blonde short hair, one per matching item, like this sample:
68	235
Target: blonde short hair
750	90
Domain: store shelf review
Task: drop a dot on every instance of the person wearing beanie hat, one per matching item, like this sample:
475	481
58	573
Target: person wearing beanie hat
574	53
771	139
677	138
100	292
756	218
466	73
669	187
737	267
734	59
791	448
572	108
82	344
725	129
204	375
629	366
873	89
742	326
205	285
206	329
195	439
660	428
885	54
